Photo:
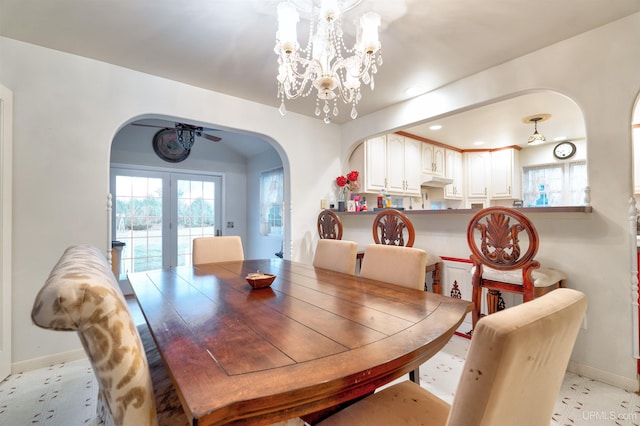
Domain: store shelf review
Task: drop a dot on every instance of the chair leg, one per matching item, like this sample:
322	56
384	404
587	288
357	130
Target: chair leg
435	275
414	376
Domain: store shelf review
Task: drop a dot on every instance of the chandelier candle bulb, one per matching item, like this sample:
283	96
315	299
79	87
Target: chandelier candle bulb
287	21
369	23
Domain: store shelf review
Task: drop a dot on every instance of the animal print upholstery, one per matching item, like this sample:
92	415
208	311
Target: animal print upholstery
81	294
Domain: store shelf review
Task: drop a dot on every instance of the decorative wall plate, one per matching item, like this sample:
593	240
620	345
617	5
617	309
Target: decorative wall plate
166	146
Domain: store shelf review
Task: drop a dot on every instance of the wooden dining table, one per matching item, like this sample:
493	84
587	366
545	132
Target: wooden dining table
309	344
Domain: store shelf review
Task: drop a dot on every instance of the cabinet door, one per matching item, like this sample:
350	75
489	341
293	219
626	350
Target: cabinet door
439	160
375	154
412	166
505	174
433	161
395	163
453	169
478	164
501	173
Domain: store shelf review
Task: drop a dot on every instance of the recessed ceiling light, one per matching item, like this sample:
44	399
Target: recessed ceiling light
478	143
435	127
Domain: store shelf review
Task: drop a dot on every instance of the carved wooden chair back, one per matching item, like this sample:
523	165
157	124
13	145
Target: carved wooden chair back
329	225
392	227
503	244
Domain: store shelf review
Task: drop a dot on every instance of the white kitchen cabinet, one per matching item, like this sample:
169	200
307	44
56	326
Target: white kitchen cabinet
395	164
433	159
390	162
478	169
453	170
505	174
403	165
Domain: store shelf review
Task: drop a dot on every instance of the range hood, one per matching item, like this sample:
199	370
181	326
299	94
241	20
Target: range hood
435	181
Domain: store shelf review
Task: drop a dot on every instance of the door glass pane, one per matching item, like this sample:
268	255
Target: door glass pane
138	224
196	215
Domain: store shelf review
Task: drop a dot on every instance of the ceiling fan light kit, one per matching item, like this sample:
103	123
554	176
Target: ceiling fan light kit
325	64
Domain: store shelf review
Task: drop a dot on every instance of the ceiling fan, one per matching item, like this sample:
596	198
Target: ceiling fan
174	144
187	131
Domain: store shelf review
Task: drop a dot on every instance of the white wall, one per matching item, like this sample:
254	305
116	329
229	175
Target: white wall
68	109
599	70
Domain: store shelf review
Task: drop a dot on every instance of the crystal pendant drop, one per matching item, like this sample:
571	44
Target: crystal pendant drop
317	111
354	112
335	111
326	119
365	78
282	109
379	61
326	108
372	82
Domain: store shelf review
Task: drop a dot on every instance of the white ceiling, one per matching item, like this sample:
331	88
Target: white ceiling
227	46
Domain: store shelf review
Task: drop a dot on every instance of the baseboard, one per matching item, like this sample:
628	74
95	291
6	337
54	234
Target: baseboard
46	361
626	383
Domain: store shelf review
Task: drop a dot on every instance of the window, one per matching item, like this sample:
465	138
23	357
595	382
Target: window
271	195
554	184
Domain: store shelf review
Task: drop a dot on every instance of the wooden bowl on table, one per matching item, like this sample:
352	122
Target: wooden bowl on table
260	280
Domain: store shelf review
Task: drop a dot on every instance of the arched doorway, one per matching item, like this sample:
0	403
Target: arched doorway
220	177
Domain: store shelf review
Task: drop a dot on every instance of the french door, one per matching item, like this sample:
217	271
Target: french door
157	214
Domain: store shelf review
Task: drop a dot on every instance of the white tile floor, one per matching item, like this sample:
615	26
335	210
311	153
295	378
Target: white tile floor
65	394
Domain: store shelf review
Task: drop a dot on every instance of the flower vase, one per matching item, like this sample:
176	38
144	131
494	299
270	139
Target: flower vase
341	200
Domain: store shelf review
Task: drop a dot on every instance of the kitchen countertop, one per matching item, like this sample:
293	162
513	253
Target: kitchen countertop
567	209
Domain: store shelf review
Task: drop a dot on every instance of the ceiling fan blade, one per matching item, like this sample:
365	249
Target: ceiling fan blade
211	137
149	125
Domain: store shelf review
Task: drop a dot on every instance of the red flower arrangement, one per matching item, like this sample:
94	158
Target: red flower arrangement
349	182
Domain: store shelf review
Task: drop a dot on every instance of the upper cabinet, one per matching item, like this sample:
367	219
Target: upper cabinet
390	162
433	160
505	174
478	168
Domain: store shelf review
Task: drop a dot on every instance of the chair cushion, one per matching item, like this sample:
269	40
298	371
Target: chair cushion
432	259
402	404
81	294
542	277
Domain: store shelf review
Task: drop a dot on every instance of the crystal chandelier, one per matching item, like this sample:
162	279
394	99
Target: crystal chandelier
325	64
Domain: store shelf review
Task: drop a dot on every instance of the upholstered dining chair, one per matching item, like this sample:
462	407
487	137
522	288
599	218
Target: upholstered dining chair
503	244
392	227
329	225
217	249
337	255
81	294
403	266
511	376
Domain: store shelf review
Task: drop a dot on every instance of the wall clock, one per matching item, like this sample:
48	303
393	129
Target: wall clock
166	146
564	150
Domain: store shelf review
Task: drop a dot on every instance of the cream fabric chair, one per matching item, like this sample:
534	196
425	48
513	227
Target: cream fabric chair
217	249
512	375
395	264
337	255
81	294
398	265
